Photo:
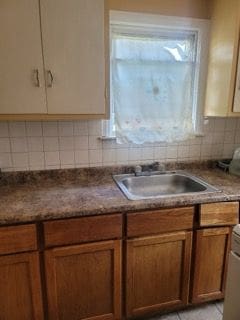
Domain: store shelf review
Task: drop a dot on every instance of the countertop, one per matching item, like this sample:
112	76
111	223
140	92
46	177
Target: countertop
38	196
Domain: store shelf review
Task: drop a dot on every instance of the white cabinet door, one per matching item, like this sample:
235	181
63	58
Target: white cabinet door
74	53
22	88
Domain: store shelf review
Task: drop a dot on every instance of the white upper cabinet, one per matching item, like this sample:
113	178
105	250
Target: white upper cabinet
22	88
53	59
74	55
224	43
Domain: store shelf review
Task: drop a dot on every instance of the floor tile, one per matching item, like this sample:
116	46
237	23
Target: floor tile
219	305
205	312
172	316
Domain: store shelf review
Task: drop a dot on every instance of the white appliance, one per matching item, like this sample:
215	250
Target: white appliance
232	297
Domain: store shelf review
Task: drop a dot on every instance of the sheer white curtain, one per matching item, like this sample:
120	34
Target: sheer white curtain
152	86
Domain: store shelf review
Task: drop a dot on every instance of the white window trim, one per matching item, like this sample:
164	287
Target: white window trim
200	26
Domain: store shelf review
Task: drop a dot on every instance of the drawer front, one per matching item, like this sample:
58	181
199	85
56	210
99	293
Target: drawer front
18	239
73	231
159	221
218	214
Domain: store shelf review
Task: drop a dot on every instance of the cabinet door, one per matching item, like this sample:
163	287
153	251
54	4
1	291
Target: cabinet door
84	281
225	22
22	89
74	54
20	287
158	270
211	255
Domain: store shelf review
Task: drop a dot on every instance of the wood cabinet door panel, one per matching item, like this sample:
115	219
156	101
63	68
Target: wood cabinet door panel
20	287
84	281
158	270
211	256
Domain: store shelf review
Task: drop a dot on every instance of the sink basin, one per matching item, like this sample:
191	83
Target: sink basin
161	184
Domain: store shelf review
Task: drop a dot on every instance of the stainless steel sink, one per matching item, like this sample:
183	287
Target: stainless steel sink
161	184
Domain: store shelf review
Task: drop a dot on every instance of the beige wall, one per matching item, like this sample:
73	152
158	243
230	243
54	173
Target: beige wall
187	8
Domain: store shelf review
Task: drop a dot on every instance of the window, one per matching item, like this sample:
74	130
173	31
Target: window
158	67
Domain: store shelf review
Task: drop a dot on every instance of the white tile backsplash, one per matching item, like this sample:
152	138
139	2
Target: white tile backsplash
68	144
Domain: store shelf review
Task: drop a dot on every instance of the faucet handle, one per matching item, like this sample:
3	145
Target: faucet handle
161	167
137	169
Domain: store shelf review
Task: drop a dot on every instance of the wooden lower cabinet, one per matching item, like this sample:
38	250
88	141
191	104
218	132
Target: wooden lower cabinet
84	281
158	272
20	287
210	263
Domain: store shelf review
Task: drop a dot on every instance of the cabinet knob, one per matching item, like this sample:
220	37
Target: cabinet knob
49	79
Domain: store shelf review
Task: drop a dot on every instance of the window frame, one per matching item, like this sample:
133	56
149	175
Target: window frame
141	21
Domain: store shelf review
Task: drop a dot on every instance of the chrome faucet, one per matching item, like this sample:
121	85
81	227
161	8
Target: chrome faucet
147	170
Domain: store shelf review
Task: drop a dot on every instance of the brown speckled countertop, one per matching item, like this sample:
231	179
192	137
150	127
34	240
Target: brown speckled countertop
36	196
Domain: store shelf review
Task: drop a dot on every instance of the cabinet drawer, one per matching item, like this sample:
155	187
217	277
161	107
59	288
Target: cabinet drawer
218	214
18	239
73	231
159	221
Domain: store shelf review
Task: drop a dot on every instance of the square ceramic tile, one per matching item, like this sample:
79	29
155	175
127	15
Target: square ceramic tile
218	137
206	151
65	128
35	143
80	128
66	143
52	158
109	144
5	160
122	155
81	157
81	142
228	150
50	129
109	156
220	306
67	157
20	159
208	125
231	124
4	129
160	153
34	129
204	312
195	151
95	127
94	142
229	136
36	159
17	129
51	143
4	145
95	156
183	152
172	316
172	152
147	153
220	125
19	144
134	154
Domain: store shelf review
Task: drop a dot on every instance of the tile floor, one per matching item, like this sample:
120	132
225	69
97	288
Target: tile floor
210	311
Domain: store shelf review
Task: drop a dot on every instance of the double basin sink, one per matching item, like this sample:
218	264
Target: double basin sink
161	184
